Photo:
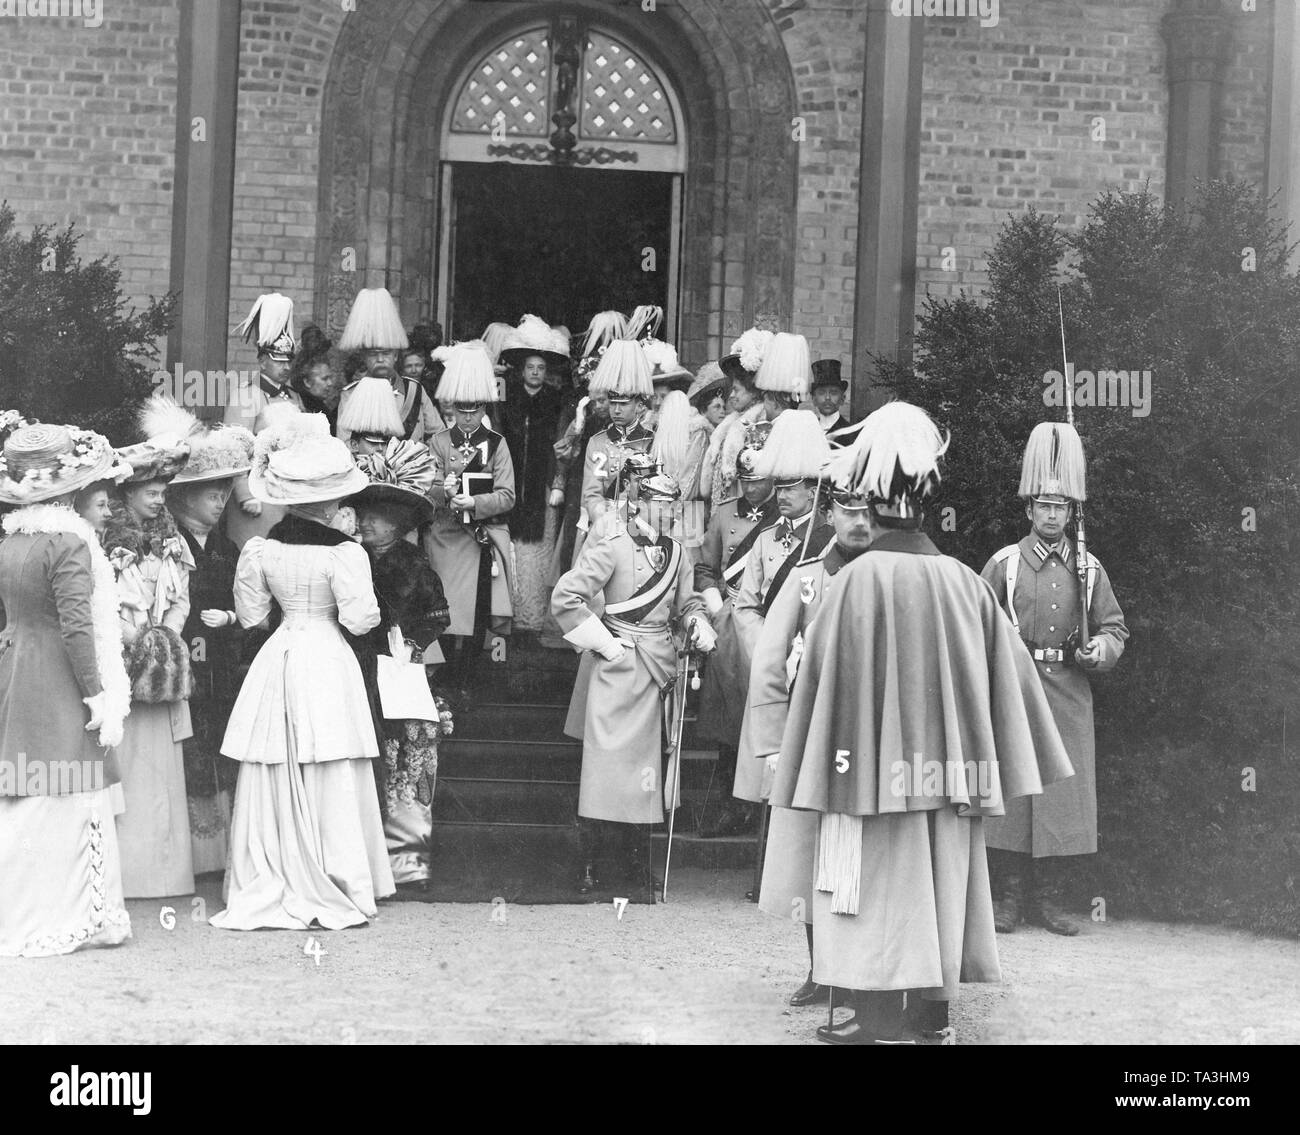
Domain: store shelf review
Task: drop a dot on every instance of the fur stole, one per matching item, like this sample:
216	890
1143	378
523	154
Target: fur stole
154	537
295	530
50	518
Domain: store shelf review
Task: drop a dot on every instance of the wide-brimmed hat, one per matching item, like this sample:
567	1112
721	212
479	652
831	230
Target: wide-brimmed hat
534	336
218	454
45	461
402	475
665	368
746	355
701	396
374	323
169	431
826	372
299	462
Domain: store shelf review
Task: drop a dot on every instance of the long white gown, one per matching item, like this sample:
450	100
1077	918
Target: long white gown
307	839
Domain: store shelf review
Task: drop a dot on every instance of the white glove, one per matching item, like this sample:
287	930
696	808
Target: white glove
703	637
214	617
614	651
451	484
556	498
712	601
772	760
251	507
96	705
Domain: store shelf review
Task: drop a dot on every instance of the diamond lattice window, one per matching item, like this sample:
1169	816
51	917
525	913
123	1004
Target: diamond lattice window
513	81
622	99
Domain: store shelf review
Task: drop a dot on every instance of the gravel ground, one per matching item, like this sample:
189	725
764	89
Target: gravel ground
705	968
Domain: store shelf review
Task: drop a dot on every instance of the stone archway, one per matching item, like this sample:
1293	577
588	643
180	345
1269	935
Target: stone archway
394	69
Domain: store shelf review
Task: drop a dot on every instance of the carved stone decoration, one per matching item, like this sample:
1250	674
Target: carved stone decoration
566	56
1198	35
599	155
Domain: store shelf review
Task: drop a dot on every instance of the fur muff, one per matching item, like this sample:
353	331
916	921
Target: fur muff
159	667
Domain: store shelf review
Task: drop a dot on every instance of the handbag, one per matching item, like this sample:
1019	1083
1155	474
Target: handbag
404	693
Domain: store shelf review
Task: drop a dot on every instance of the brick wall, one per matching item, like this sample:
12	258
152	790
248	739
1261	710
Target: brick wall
88	132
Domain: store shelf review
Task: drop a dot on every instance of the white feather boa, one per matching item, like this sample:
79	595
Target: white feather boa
39	519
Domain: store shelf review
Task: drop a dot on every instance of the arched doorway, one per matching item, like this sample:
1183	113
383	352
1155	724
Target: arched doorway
398	67
561	171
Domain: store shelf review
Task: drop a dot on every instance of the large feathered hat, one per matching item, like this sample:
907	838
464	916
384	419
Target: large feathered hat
796	449
495	336
169	430
534	336
894	460
623	371
746	355
786	367
270	323
402	475
665	369
298	461
468	377
1054	464
217	454
367	408
374	323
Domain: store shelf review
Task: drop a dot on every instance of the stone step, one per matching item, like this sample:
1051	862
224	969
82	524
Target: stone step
486	801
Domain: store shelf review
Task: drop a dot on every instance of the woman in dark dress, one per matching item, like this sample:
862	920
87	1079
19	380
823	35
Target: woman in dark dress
197	498
413	612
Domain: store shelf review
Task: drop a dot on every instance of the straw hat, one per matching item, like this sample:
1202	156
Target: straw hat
367	408
42	462
299	462
468	376
271	322
786	367
534	336
746	355
623	371
402	475
374	323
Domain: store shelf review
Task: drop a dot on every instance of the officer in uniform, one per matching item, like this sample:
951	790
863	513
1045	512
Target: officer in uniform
1036	581
620	602
733	529
624	374
254	402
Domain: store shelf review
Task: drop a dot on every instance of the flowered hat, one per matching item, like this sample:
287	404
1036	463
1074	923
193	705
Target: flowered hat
298	461
42	462
402	475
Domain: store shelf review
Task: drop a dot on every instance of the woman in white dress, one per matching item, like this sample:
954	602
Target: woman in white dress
307	841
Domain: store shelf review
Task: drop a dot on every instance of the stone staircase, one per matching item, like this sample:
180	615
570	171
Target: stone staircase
507	792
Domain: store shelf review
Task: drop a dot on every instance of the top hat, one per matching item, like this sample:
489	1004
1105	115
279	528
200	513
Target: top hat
826	372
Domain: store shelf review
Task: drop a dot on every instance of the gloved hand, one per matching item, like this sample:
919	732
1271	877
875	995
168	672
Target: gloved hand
251	507
772	760
614	651
556	498
214	617
702	637
96	705
712	601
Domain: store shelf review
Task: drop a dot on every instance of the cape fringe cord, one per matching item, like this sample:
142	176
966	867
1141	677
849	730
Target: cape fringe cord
839	861
50	519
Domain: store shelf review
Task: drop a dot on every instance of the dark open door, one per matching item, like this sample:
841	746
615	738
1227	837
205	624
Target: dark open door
558	243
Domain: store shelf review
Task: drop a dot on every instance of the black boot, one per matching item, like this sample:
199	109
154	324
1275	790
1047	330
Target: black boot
589	854
877	1019
1005	878
1043	909
929	1018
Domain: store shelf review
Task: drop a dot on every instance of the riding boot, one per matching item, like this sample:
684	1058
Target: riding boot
810	993
1043	909
1006	879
